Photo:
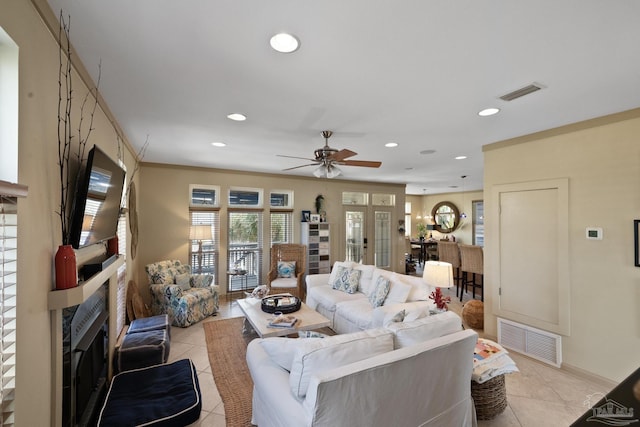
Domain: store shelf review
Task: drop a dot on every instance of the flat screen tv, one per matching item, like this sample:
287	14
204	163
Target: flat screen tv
96	208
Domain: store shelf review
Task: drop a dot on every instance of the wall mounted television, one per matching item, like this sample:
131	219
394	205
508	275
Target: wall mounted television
96	208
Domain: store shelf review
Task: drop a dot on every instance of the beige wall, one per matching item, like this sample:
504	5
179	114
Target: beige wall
601	160
39	229
163	210
422	205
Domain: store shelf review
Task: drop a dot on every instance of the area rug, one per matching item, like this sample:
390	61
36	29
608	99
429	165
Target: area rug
227	347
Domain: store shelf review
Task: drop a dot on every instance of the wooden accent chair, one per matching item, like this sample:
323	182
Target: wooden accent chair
450	252
472	261
284	276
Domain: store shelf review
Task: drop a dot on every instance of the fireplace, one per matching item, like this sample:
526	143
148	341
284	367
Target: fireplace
85	358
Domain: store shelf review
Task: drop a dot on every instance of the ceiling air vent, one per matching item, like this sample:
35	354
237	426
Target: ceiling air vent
533	87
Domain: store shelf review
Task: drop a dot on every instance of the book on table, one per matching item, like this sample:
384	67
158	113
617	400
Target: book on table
283	321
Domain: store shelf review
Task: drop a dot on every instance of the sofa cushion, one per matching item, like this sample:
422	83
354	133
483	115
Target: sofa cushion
286	269
380	291
426	328
328	297
366	277
282	282
398	292
317	355
281	350
347	280
416	314
358	312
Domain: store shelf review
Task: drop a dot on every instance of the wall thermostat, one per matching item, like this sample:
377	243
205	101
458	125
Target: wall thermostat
594	233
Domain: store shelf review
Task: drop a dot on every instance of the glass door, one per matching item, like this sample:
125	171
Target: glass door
355	235
382	239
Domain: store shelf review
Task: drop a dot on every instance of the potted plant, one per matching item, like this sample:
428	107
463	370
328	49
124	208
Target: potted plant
422	230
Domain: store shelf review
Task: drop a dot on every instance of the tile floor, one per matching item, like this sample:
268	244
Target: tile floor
537	395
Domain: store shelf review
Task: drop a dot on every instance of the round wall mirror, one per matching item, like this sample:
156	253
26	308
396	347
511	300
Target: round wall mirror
446	217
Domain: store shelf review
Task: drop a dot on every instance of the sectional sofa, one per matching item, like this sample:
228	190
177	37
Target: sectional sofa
356	297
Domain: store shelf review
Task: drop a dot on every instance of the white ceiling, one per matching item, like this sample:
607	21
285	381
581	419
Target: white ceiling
415	72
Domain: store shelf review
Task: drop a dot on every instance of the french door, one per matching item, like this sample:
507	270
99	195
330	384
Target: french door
367	235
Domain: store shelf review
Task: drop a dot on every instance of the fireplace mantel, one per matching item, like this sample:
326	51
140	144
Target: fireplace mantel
64	298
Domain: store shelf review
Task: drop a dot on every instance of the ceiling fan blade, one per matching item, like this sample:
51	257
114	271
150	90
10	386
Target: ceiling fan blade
301	166
365	163
294	157
342	154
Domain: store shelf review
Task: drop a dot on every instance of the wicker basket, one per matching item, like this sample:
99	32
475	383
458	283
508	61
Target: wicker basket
473	314
489	398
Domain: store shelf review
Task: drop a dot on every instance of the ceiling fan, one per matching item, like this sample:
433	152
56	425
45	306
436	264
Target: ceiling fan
327	159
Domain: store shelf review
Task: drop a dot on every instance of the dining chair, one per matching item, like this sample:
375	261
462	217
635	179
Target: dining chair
472	262
450	252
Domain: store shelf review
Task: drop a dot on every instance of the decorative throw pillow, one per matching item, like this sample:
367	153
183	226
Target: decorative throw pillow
380	291
286	269
347	280
183	281
398	317
336	273
311	334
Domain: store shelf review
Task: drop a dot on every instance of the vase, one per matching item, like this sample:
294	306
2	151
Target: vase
112	246
66	270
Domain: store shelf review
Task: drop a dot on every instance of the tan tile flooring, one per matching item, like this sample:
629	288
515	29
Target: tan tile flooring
538	395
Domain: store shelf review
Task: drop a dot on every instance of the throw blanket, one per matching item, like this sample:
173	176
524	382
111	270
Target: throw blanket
490	359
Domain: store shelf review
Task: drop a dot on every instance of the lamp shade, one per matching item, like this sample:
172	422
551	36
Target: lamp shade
438	274
200	232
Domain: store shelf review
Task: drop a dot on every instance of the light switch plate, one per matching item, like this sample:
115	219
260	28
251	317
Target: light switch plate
594	233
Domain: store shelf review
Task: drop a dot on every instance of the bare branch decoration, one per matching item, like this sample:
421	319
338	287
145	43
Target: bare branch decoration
65	123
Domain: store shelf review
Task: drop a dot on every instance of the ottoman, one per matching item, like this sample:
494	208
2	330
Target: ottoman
146	343
164	395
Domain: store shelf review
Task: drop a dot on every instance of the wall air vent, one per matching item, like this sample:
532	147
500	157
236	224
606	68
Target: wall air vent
518	93
535	343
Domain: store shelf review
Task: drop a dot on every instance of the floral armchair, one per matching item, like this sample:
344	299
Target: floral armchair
186	298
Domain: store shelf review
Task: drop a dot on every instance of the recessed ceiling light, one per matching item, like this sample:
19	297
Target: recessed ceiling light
460	157
284	43
391	144
427	151
237	117
489	112
218	144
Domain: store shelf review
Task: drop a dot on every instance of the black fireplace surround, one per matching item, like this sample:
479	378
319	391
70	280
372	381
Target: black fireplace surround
85	359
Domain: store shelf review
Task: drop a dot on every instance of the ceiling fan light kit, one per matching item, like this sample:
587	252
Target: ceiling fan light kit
327	159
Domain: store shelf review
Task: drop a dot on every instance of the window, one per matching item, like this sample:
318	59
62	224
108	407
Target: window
121	295
478	222
8	292
281	227
245	249
8	223
204	196
281	199
354	198
383	199
204	249
407	219
245	197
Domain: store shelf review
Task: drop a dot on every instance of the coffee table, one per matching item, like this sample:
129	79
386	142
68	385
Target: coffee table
308	319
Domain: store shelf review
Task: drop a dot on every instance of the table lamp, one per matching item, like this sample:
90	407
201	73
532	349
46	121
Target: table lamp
200	232
440	275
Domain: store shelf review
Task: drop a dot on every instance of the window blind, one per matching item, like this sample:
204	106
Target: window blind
8	288
281	227
210	248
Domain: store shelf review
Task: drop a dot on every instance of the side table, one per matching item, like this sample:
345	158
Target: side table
243	278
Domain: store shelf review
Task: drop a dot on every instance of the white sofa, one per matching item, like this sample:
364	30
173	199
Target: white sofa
368	378
351	312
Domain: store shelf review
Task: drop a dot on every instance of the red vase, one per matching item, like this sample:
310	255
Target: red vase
66	270
112	246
